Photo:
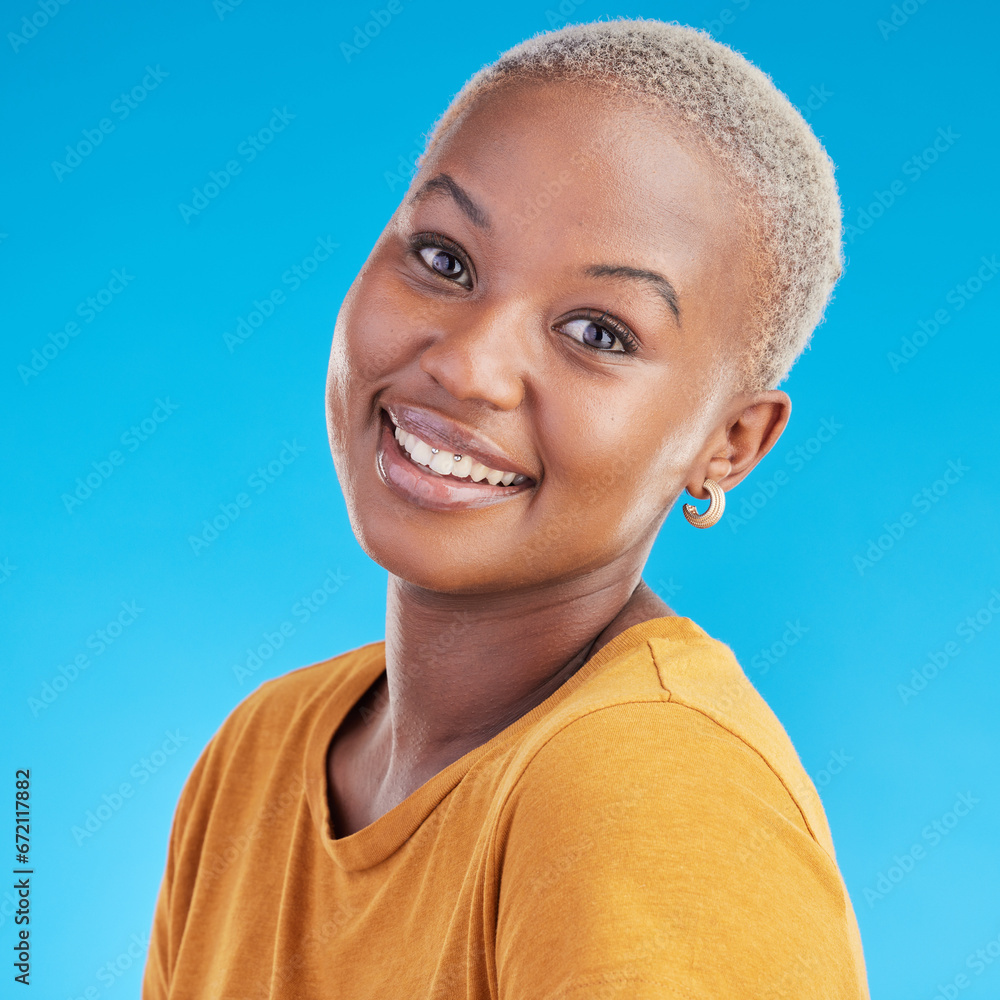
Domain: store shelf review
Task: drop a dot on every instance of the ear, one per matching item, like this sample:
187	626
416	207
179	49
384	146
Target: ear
752	427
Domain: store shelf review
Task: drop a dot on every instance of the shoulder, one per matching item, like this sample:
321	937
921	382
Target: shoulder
282	699
655	770
273	721
653	823
673	716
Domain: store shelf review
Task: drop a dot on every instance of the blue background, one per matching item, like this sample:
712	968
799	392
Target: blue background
887	763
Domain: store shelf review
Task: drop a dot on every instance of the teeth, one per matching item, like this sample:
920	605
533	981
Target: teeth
443	463
421	452
447	464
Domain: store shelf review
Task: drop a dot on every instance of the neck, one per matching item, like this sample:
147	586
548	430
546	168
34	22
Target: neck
461	668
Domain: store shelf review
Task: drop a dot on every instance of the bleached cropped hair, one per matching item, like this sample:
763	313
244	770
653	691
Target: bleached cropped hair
784	178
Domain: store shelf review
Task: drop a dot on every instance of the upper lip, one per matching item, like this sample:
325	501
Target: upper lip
441	432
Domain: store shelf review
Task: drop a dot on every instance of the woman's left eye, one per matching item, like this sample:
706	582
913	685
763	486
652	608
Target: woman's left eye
593	334
445	263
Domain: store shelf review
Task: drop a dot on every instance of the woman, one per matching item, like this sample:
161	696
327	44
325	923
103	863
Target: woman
544	783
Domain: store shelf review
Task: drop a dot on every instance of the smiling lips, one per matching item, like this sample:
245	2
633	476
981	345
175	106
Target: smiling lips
437	477
458	466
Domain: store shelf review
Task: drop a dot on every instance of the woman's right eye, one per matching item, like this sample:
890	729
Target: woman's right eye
441	260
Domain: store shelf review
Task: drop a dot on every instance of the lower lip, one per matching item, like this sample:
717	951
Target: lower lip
425	488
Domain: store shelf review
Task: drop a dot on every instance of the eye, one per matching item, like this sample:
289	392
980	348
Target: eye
442	257
601	332
441	261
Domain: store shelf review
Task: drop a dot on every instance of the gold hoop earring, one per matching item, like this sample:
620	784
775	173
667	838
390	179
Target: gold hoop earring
715	507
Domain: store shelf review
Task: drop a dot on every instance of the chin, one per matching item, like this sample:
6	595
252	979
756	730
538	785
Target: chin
453	566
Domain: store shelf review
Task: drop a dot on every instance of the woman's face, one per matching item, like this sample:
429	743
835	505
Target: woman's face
558	296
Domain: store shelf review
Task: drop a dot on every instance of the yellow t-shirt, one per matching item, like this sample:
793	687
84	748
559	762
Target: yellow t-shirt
645	832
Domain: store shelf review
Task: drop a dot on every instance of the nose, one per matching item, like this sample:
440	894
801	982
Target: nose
482	353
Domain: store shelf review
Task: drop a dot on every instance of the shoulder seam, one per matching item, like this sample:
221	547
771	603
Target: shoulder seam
767	764
668	700
727	651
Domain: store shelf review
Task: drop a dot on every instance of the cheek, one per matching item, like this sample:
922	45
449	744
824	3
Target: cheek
607	488
635	447
371	339
385	327
337	383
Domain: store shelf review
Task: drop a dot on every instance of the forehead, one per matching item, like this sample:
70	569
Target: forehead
588	174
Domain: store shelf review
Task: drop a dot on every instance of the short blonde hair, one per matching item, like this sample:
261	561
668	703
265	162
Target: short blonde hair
787	179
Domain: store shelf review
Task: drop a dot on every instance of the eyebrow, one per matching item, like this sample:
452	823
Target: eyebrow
667	291
443	182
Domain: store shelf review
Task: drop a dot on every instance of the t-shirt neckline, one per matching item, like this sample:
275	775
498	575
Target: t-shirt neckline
377	841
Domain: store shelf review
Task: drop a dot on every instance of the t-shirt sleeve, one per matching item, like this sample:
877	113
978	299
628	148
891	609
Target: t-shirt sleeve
649	853
164	938
170	913
186	844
